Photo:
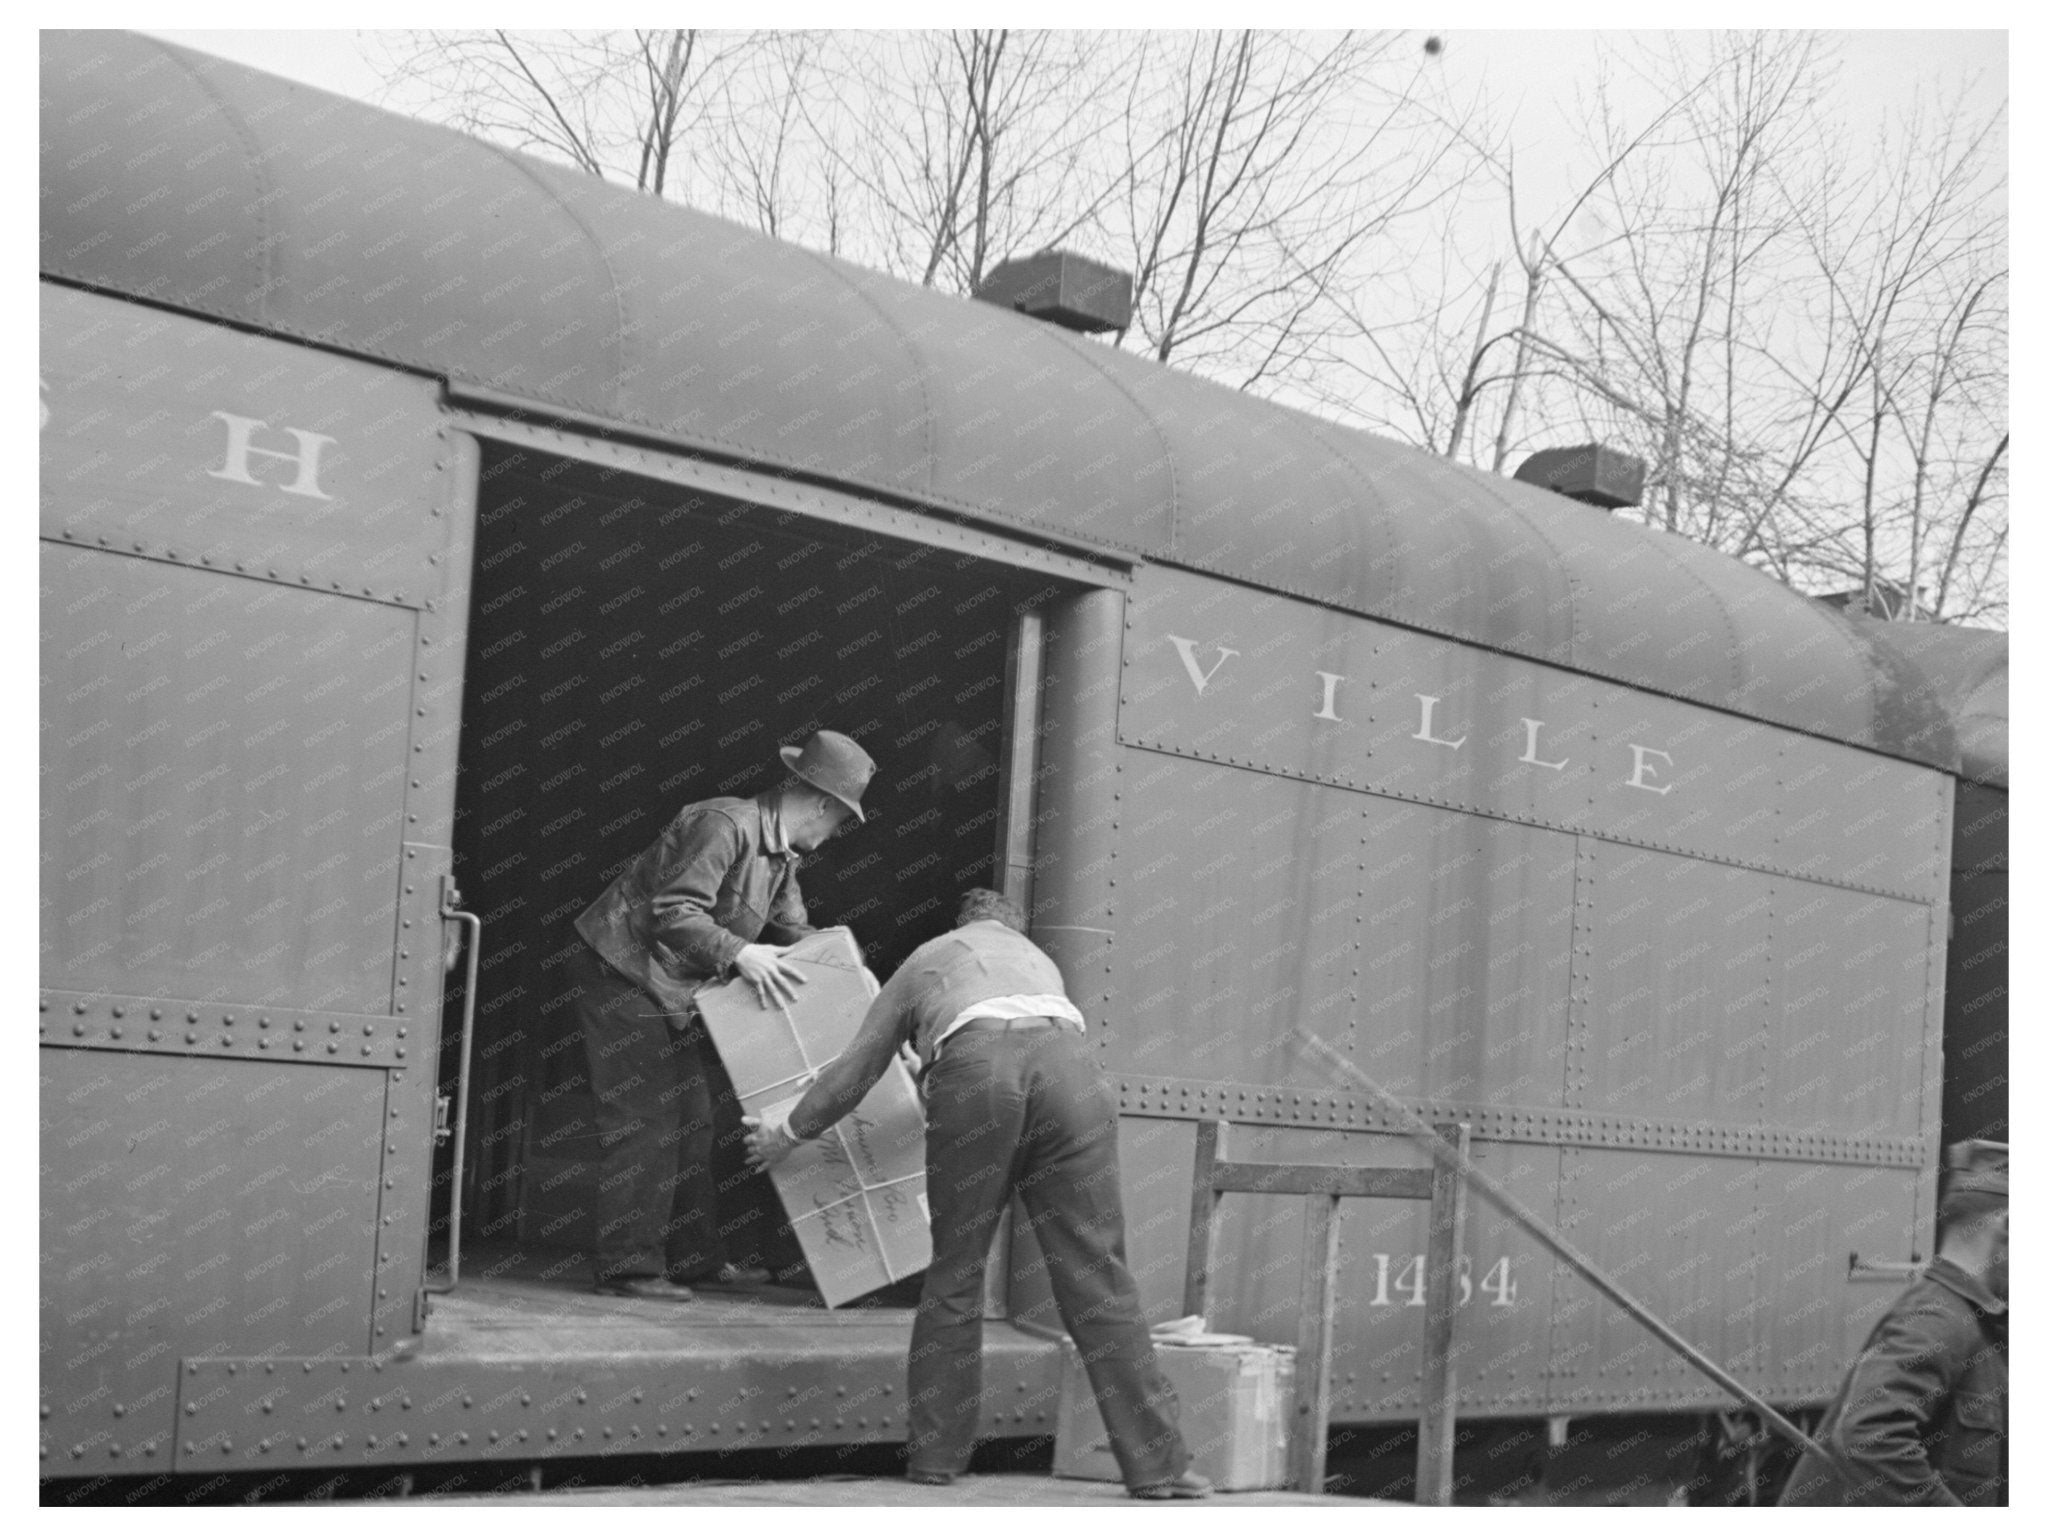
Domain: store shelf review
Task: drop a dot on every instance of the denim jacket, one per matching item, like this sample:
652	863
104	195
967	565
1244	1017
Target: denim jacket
720	877
1921	1418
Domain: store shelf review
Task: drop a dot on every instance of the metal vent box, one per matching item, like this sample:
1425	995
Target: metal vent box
855	1196
1234	1406
1068	290
1594	474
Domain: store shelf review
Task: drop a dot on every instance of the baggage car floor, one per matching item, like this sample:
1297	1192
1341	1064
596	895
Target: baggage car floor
523	1362
515	1307
513	1302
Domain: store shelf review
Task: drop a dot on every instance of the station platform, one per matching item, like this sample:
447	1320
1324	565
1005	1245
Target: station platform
997	1490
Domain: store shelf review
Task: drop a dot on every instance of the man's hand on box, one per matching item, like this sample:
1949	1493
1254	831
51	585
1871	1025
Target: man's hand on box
769	1139
774	981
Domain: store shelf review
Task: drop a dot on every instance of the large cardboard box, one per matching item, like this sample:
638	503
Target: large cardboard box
1235	1401
855	1196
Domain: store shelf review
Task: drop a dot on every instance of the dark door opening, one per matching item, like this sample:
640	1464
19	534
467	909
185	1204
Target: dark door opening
634	647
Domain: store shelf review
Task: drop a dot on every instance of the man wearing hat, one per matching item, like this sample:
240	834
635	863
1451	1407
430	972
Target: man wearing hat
1921	1417
714	897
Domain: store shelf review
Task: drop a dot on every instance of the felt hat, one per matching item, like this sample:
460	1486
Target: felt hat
1975	1179
835	764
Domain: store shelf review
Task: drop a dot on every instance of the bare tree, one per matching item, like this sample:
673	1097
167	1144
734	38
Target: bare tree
962	148
617	105
765	167
1422	357
1252	180
1809	358
1438	380
1661	319
1915	282
1269	177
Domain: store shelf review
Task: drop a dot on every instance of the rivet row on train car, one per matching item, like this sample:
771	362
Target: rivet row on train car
416	514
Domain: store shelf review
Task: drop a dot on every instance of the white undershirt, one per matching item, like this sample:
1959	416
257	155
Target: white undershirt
1045	1005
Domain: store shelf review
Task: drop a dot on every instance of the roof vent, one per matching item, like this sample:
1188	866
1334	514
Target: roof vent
1066	289
1598	476
1882	600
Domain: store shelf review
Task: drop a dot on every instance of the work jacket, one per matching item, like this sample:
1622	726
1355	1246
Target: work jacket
1921	1418
720	877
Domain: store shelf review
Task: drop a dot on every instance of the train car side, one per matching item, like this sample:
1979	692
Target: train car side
249	554
1681	971
1967	671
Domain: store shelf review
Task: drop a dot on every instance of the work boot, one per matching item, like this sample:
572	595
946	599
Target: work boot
646	1288
1189	1485
732	1277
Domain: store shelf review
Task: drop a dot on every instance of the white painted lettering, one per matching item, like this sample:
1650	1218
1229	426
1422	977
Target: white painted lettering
1329	709
1529	752
1423	732
1195	674
307	458
1635	780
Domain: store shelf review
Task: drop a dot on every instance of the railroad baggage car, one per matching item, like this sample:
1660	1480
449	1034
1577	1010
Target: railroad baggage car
415	514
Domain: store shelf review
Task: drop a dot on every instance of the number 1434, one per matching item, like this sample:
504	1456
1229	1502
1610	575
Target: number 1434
1398	1279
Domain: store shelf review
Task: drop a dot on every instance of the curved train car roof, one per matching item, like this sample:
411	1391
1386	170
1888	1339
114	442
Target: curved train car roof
187	181
1967	669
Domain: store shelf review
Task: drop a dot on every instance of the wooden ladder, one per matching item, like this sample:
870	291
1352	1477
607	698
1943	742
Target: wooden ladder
1322	1186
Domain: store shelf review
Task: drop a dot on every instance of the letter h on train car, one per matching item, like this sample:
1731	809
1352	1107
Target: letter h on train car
305	458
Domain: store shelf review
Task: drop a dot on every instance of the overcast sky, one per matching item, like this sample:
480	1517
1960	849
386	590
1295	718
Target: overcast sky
1531	77
1521	66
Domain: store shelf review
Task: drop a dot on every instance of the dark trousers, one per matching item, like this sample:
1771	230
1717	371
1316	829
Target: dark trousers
656	1199
1026	1110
